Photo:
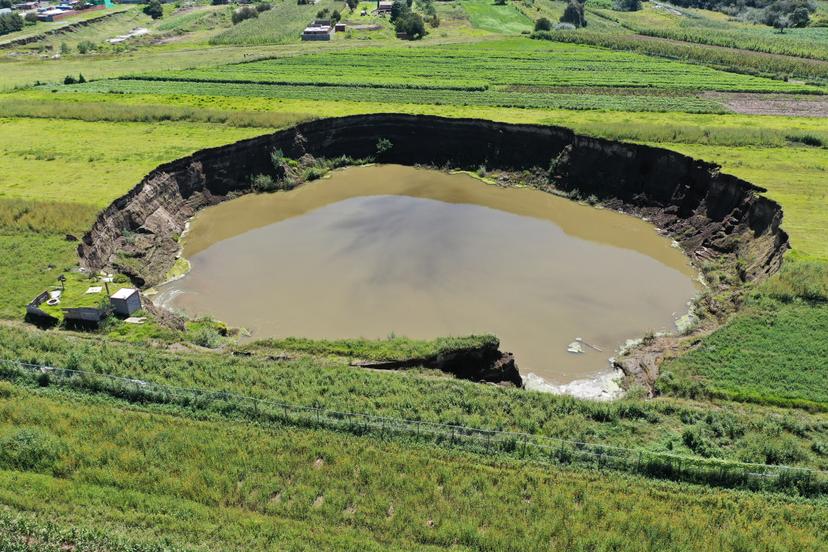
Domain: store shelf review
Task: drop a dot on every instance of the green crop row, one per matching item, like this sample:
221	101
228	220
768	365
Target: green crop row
470	66
496	98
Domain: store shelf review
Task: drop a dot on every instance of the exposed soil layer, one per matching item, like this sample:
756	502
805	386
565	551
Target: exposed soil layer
773	104
716	218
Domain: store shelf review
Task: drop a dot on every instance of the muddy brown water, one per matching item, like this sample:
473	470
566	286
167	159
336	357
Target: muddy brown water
372	251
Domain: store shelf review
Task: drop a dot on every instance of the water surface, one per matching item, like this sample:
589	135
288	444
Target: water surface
387	249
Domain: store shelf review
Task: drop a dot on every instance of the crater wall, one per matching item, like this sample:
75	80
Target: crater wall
711	214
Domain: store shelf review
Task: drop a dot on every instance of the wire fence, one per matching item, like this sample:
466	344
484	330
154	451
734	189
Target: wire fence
491	443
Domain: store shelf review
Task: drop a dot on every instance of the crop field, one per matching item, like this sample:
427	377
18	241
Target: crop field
714	28
86	467
492	63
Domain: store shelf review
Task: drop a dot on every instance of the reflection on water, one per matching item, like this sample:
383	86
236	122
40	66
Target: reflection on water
390	249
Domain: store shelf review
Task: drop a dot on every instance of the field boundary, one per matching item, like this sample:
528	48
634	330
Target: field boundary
492	443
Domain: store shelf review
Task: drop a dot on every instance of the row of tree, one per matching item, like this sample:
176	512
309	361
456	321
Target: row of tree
10	22
776	13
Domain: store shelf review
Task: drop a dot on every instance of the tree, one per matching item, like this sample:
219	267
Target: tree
5	4
352	4
399	9
336	17
574	14
10	22
244	13
412	25
543	24
154	9
500	2
626	5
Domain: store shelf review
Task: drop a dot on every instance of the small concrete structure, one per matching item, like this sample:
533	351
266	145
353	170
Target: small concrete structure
125	301
339	27
317	32
384	7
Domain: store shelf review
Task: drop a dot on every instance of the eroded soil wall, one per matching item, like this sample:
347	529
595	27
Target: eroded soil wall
712	215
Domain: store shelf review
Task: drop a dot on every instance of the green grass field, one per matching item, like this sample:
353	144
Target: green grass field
81	469
156	477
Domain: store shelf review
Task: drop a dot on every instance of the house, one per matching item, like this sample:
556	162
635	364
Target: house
383	6
125	301
318	30
339	27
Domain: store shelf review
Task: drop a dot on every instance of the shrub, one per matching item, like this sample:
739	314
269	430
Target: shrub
383	145
243	14
30	17
86	46
263	6
695	440
543	24
626	5
263	183
69	79
807	139
30	449
205	335
154	9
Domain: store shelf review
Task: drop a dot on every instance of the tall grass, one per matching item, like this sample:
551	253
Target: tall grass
241	486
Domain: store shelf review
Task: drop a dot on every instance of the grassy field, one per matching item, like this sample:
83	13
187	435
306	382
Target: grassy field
750	359
488	16
314	373
87	470
154	476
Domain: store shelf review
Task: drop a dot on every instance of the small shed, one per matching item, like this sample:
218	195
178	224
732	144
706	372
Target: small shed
339	27
384	7
125	301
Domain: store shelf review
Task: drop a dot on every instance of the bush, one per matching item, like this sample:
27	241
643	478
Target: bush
695	440
263	6
205	335
383	145
86	46
626	5
807	139
154	9
263	183
543	24
30	17
243	14
30	450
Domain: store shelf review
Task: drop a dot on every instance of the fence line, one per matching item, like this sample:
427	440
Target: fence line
798	480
